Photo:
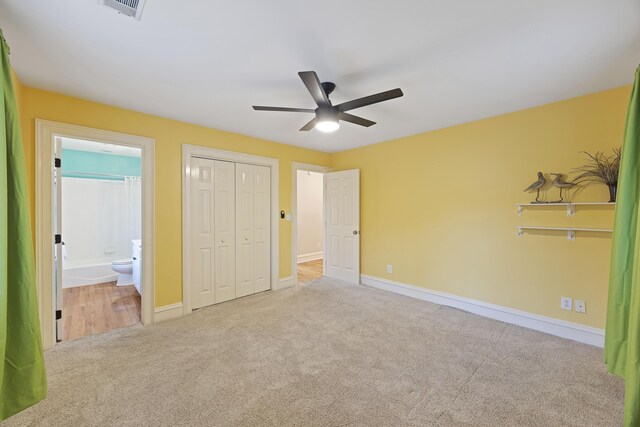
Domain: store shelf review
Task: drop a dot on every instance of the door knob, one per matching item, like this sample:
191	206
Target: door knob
221	240
246	238
355	232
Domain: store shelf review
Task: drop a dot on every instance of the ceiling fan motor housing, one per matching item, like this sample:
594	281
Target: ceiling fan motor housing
328	87
327	114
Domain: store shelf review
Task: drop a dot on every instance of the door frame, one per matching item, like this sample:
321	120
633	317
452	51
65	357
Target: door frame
189	151
45	266
308	167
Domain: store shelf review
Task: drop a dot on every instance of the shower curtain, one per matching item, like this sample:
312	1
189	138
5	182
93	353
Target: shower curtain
133	198
22	373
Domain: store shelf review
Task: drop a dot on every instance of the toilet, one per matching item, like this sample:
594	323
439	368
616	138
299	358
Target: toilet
125	269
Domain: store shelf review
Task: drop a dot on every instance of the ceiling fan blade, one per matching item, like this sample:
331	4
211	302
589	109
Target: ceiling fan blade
309	125
311	81
355	119
371	99
293	110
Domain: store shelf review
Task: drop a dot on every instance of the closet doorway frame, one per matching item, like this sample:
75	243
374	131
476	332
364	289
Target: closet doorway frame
45	265
306	167
189	151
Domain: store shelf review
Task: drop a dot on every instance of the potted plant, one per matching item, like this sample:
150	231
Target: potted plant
602	169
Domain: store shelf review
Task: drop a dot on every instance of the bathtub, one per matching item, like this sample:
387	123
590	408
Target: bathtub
88	275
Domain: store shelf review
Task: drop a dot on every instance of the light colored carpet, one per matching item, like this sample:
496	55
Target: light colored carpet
327	354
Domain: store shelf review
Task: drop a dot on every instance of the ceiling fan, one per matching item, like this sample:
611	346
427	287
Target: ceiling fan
328	116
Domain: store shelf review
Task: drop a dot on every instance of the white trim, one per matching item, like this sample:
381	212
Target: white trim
166	312
295	167
286	282
45	132
310	257
189	151
549	325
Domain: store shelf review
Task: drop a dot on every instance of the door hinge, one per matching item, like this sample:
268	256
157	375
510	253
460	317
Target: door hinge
58	162
58	314
58	239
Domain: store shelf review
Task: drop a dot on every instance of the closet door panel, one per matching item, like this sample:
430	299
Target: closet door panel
225	231
202	233
245	283
262	227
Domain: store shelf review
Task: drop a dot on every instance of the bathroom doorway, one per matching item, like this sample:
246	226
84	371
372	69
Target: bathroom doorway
308	222
98	221
48	223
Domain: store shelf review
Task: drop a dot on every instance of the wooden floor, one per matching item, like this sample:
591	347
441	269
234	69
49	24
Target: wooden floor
94	309
308	271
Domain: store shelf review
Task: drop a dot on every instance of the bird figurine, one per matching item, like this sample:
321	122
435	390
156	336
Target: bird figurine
537	186
562	184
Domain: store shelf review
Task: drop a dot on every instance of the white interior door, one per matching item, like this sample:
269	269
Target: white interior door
262	227
342	230
225	231
57	229
245	284
202	232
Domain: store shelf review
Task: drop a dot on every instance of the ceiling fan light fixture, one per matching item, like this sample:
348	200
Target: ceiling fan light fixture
327	120
328	125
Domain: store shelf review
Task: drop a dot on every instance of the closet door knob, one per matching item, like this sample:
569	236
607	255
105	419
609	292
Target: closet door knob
246	238
221	240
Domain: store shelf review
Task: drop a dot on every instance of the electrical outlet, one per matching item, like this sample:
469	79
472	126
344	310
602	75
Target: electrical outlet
389	268
581	306
565	303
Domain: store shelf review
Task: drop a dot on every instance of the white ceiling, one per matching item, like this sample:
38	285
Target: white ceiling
207	62
99	147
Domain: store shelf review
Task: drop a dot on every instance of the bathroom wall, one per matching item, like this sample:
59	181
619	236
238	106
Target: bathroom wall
310	216
82	163
100	216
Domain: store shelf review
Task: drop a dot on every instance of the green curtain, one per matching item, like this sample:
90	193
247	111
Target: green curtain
22	373
622	338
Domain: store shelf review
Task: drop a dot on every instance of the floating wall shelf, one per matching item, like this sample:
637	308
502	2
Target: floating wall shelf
571	231
571	206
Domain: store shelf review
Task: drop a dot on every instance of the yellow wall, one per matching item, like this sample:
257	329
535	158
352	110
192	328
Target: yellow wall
169	136
440	207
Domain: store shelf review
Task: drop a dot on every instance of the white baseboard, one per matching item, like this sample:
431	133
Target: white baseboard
167	312
310	257
285	282
549	325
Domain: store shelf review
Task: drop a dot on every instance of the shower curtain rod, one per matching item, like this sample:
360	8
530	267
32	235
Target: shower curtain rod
101	174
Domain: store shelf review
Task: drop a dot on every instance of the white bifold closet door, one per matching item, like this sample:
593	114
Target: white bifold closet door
212	232
253	236
224	263
230	231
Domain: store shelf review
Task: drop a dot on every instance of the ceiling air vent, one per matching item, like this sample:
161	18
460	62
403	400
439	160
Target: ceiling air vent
132	8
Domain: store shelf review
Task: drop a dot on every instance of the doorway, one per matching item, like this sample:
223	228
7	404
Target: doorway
310	226
104	214
308	232
98	216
